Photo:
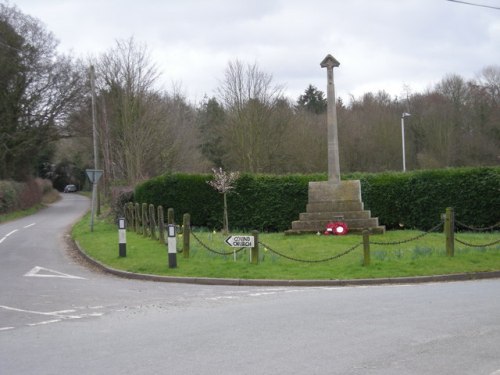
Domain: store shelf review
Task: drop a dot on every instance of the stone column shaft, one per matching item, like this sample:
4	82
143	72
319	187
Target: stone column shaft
332	134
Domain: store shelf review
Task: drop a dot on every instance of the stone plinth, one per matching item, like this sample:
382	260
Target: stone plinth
329	201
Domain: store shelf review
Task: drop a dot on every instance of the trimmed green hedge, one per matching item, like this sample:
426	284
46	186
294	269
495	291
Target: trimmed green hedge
270	203
417	199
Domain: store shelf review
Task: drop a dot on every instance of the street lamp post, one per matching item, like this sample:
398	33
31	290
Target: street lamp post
403	116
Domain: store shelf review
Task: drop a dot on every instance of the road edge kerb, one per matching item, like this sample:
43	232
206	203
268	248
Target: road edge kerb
266	282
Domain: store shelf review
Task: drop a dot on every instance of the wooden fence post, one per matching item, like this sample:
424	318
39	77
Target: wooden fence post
254	253
186	234
170	216
449	231
161	225
366	248
138	218
152	221
128	216
145	219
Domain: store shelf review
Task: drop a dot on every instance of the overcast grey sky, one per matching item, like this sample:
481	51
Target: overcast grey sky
380	44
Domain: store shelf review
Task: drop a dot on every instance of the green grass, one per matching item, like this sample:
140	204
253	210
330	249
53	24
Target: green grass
19	214
425	256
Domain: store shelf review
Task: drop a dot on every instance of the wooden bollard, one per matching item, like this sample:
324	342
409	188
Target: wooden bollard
145	219
449	231
170	216
138	218
186	234
161	225
152	221
254	252
366	247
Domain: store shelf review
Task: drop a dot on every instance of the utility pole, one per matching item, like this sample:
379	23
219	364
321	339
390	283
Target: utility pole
403	116
94	136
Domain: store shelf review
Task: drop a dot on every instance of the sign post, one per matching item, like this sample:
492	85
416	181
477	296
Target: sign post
241	241
172	246
122	237
94	175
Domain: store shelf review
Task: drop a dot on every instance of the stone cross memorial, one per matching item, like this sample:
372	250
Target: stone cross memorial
329	63
334	200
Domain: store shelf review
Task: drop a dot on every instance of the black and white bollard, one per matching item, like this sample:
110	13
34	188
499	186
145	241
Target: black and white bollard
122	237
172	246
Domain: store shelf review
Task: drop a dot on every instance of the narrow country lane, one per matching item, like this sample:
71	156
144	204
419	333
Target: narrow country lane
59	317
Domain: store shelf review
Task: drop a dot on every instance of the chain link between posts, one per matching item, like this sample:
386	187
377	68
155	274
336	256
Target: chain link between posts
477	245
308	260
224	253
409	239
137	220
475	229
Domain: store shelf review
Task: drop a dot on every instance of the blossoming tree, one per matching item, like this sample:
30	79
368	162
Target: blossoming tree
223	182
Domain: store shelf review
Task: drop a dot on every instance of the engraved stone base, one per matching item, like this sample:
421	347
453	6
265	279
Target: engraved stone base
335	202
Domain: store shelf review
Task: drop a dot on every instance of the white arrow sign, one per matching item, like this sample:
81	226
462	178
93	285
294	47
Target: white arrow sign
241	241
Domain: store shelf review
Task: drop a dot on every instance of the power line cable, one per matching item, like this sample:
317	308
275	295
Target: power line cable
473	4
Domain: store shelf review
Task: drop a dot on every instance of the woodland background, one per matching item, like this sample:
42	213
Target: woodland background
248	125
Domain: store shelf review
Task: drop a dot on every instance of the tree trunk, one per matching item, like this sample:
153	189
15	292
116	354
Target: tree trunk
225	221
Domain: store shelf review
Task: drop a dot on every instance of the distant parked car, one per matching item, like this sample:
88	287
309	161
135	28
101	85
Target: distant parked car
70	189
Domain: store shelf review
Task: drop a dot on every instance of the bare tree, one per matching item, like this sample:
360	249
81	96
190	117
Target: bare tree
130	110
252	133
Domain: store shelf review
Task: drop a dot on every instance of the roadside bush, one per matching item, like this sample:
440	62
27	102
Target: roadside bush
44	185
10	192
16	196
120	196
31	195
270	203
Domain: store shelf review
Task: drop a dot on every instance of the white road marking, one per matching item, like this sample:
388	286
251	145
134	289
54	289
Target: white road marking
238	294
7	235
57	315
35	272
222	297
93	314
44	322
52	313
29	225
63	312
497	372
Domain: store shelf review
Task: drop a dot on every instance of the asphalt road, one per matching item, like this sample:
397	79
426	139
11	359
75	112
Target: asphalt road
59	317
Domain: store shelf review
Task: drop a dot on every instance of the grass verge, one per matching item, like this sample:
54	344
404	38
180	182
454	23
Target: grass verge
422	257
